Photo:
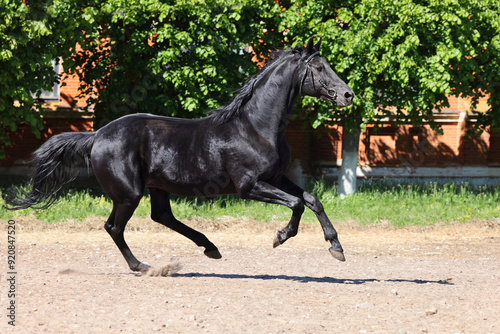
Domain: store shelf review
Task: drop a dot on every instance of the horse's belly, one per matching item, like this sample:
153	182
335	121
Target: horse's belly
194	184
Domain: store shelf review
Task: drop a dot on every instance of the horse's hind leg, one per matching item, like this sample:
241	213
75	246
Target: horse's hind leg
161	212
115	226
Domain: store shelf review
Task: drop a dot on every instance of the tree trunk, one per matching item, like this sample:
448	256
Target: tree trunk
350	151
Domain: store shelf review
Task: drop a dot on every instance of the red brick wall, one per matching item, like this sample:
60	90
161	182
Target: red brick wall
493	156
69	89
25	142
404	146
326	142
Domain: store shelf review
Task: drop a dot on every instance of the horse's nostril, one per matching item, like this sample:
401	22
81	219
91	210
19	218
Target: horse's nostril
348	95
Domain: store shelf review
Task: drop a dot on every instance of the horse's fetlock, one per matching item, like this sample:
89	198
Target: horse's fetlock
331	236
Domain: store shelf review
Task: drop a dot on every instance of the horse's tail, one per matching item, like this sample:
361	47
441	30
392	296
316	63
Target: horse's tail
55	165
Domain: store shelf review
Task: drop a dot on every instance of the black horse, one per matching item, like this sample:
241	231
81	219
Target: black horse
239	148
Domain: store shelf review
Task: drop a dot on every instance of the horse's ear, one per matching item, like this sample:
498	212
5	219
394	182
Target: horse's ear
317	45
309	47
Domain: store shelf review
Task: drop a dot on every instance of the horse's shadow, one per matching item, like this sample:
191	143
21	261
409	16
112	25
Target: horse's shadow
309	279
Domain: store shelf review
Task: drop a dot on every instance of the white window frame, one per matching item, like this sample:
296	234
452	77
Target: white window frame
54	94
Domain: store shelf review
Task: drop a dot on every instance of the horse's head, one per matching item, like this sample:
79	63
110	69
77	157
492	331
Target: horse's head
319	80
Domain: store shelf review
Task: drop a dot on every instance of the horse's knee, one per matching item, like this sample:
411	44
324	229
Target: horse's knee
298	207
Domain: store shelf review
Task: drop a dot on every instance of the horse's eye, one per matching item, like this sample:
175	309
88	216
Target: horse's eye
319	68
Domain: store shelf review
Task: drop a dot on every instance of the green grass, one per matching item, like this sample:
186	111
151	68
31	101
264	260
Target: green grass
375	202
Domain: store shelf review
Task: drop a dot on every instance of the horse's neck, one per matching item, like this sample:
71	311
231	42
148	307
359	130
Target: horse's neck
270	107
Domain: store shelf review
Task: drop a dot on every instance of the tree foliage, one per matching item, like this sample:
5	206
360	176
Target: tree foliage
177	58
403	59
27	48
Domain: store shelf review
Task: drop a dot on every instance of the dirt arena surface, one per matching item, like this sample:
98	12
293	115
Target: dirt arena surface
440	279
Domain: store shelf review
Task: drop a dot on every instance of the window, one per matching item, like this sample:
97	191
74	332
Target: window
51	95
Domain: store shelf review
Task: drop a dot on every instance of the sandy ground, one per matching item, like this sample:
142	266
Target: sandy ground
71	278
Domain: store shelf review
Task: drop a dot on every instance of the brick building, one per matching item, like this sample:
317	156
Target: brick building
405	152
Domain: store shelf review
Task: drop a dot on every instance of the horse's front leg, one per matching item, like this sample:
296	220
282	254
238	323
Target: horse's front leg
316	206
268	193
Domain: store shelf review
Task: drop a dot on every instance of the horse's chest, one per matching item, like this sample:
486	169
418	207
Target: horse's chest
275	164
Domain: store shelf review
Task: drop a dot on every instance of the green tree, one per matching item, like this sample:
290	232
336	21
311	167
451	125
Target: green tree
402	59
27	48
176	58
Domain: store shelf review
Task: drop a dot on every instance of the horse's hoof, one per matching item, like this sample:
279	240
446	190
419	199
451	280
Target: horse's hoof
213	254
338	255
276	241
142	268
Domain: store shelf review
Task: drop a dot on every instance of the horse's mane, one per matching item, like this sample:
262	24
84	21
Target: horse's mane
235	107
